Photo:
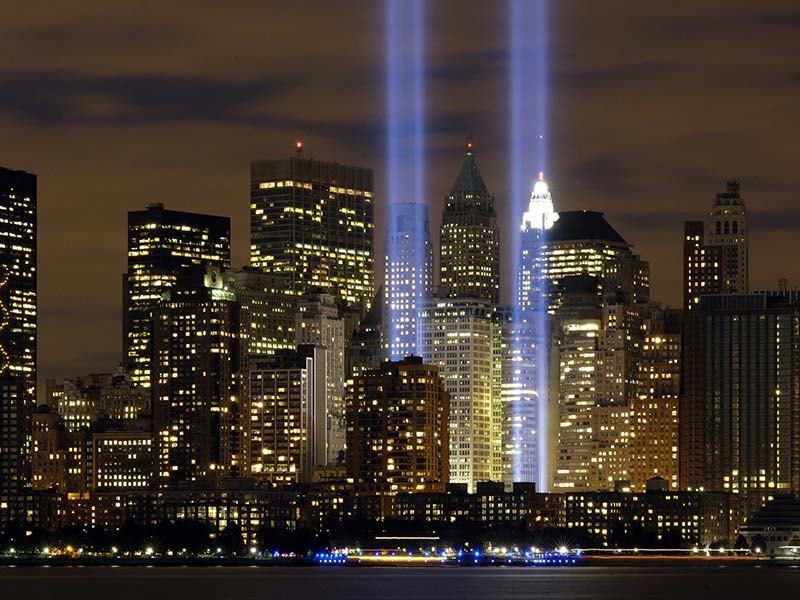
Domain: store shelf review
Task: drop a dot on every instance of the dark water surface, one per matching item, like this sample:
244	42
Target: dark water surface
444	583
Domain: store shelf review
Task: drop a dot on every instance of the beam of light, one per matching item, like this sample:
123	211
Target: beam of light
409	252
528	111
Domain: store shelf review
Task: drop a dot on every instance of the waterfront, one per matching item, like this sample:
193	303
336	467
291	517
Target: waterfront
660	581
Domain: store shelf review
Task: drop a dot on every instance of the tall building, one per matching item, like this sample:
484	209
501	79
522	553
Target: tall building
529	397
288	415
313	222
162	245
600	346
200	393
317	322
458	336
727	228
263	296
654	412
13	466
716	251
584	243
397	429
469	257
739	427
408	279
18	272
536	222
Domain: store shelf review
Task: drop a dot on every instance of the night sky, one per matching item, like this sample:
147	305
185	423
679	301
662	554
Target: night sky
653	106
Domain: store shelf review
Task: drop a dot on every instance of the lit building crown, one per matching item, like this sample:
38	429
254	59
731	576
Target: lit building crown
540	213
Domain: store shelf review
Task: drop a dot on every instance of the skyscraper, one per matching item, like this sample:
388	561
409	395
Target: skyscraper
470	239
200	396
163	244
263	296
313	222
654	412
397	429
288	415
738	420
584	243
18	272
318	323
716	251
408	279
526	369
458	336
536	221
18	332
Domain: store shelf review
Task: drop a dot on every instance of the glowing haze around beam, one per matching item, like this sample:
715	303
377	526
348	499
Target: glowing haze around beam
409	265
528	109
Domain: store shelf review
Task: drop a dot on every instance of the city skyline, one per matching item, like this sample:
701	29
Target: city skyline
139	112
547	325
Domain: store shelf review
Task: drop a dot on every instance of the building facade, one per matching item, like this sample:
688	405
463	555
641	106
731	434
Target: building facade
162	245
288	415
397	433
200	392
313	222
263	296
740	430
458	336
469	256
716	251
408	277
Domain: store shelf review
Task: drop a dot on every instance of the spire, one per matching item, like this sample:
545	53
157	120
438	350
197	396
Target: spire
469	181
541	213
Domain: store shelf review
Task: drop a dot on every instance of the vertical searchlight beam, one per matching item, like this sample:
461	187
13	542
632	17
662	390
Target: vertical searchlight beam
408	274
527	383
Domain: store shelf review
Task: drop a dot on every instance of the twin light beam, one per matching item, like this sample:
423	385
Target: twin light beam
409	263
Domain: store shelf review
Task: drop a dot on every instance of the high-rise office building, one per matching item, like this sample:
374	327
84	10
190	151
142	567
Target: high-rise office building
163	244
263	296
654	412
600	346
716	251
313	222
13	476
288	415
536	222
200	395
18	271
738	419
584	243
469	257
397	429
318	323
727	228
408	279
529	397
458	336
18	330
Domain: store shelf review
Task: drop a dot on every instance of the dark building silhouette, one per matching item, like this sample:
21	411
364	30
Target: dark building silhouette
740	430
18	323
